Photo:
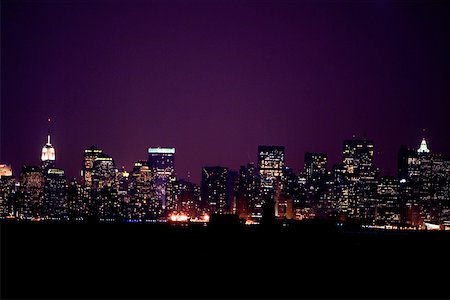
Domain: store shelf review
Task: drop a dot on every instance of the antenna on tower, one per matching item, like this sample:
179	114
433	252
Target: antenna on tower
48	131
189	176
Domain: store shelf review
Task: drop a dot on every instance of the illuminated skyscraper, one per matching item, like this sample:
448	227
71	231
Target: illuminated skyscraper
89	157
162	163
48	155
105	188
189	200
142	202
315	167
214	189
361	178
77	203
424	185
316	174
388	208
29	203
270	164
7	189
247	198
55	194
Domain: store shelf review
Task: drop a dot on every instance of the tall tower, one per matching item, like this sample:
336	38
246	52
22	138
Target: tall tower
48	152
214	189
271	164
162	164
89	157
361	176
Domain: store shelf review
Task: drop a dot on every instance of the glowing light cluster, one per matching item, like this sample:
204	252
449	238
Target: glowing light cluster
178	218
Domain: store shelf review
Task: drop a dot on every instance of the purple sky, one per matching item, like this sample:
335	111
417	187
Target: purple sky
216	79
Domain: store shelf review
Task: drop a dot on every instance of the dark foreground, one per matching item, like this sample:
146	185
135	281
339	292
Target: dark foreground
151	261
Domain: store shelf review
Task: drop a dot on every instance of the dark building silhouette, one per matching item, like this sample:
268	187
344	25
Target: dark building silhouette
55	205
162	164
214	190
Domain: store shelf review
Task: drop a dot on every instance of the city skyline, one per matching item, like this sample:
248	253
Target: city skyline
240	149
191	176
218	78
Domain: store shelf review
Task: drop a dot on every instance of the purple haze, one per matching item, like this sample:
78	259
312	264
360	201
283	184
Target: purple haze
215	79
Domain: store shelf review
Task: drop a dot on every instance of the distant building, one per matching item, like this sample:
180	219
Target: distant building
5	170
424	185
7	190
214	189
89	157
29	202
389	208
315	167
141	201
48	154
105	203
247	202
55	206
77	204
162	163
361	175
271	165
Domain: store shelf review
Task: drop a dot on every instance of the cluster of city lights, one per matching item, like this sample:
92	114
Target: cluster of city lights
184	218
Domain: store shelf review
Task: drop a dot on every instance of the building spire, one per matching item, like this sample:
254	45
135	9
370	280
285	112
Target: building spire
423	147
48	132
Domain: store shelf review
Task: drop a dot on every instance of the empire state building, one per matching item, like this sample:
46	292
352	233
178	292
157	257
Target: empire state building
48	154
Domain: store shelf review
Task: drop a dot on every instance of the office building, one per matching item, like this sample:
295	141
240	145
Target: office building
55	206
162	163
214	190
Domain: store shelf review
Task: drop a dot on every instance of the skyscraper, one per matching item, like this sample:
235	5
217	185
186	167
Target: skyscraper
48	154
214	189
77	203
361	178
270	164
162	163
7	189
315	166
89	157
247	198
316	174
388	209
105	188
55	194
29	203
142	202
424	184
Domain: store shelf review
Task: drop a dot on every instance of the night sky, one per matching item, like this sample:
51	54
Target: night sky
215	79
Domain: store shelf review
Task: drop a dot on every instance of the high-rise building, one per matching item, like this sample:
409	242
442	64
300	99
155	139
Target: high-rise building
247	202
388	208
77	203
172	196
424	185
190	199
55	194
105	202
361	177
48	154
270	164
7	189
29	202
214	190
315	167
89	157
162	163
142	203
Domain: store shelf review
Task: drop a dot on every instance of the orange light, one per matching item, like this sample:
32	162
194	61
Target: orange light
206	218
179	218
